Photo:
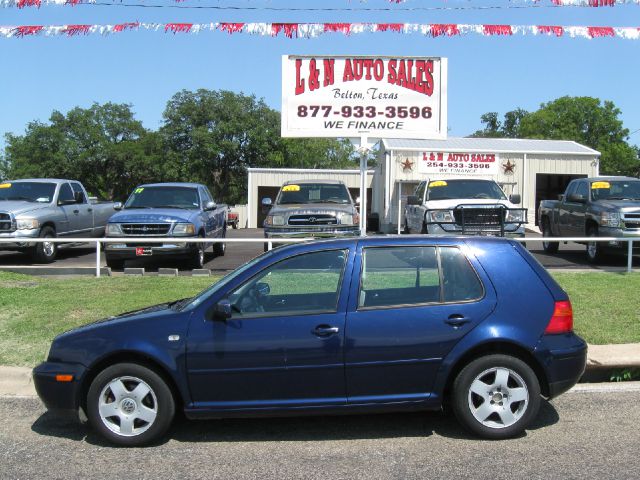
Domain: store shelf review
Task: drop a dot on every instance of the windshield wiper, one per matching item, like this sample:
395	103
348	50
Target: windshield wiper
130	207
621	198
173	206
331	201
20	198
178	304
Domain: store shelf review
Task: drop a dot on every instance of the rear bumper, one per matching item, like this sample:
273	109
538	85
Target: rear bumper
63	397
564	358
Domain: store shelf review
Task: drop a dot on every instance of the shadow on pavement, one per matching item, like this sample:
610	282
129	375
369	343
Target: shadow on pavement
296	429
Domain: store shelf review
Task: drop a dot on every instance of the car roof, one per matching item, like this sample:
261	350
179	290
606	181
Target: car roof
330	182
609	178
172	184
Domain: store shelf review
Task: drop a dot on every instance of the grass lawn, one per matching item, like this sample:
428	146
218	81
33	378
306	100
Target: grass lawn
33	310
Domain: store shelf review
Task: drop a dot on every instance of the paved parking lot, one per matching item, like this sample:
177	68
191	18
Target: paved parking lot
82	257
578	435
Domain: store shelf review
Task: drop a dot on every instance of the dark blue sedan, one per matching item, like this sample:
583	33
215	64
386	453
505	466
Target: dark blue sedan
342	326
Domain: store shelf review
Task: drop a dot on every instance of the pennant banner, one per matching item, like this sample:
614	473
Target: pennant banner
560	3
313	30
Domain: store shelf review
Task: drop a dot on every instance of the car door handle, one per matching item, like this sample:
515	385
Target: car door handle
89	209
325	330
456	321
76	212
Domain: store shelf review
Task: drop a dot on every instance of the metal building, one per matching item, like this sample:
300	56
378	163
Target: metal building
536	169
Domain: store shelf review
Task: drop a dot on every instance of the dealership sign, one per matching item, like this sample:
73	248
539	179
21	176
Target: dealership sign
456	163
379	97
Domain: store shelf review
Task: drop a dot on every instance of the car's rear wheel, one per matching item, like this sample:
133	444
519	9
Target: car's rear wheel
130	405
496	396
549	247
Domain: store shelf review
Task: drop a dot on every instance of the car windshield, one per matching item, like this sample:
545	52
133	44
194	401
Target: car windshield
199	298
163	197
28	191
452	189
313	193
616	190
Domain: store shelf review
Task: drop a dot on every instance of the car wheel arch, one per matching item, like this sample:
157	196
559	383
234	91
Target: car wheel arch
131	357
503	347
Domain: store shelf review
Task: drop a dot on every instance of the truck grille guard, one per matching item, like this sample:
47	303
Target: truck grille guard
471	219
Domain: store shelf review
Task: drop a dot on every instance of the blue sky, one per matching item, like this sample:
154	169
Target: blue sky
40	74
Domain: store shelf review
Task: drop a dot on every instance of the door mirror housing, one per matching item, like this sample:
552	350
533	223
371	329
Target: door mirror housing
210	206
266	203
117	206
413	200
222	310
577	198
515	198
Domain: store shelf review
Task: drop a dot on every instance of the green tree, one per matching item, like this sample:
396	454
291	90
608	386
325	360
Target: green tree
494	128
213	136
103	146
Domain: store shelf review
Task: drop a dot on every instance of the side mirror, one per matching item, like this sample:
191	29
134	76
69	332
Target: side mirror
577	198
210	206
222	310
266	205
358	201
413	200
78	197
515	198
262	289
117	206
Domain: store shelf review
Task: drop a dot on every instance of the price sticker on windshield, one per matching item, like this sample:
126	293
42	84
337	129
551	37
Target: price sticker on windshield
139	190
291	188
600	185
438	183
5	185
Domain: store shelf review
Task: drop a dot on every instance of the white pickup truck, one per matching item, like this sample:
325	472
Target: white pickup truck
463	207
48	208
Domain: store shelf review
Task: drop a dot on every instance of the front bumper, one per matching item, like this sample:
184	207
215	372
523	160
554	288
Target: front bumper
64	397
621	233
310	232
510	230
128	250
564	358
20	237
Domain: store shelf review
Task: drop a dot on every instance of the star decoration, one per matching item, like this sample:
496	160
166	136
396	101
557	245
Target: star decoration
509	168
407	165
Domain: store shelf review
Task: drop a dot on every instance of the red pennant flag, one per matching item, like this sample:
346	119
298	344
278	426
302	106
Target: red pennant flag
448	29
497	30
73	30
338	27
394	27
601	32
24	30
178	27
231	27
290	29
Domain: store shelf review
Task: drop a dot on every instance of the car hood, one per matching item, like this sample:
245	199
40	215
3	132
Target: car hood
627	205
306	208
18	207
454	202
156	215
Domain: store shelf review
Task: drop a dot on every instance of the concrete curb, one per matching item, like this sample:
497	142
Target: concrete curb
17	381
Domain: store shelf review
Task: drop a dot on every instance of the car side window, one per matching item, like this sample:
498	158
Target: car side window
399	276
301	285
420	190
583	189
460	283
570	191
66	194
77	188
205	196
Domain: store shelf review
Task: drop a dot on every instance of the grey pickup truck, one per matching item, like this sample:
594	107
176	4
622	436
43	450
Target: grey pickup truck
311	208
594	207
48	208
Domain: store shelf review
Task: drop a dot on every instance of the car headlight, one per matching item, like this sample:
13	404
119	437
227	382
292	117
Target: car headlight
27	224
276	220
184	229
610	219
440	216
346	219
113	229
516	215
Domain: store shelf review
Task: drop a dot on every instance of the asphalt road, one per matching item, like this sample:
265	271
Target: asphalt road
570	256
578	435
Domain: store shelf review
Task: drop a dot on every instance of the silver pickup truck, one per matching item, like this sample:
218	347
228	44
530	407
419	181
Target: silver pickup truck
311	208
48	208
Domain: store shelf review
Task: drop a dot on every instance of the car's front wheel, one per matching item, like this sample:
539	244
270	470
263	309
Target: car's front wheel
130	405
496	396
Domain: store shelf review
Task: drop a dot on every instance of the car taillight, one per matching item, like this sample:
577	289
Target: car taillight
562	319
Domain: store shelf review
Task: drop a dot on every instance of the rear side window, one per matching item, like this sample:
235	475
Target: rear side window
402	276
66	194
78	189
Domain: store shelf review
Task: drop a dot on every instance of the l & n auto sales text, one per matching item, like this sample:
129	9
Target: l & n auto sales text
416	75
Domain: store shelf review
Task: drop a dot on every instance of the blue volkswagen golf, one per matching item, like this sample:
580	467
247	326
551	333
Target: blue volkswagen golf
340	326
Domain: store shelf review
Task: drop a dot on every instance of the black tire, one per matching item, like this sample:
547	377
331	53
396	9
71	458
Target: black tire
220	248
595	252
406	228
234	225
114	263
43	252
425	229
549	247
116	385
197	259
494	404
